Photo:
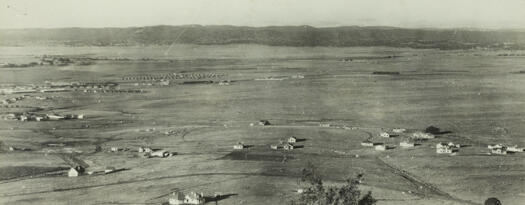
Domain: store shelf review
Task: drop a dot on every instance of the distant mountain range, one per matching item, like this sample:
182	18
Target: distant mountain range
273	36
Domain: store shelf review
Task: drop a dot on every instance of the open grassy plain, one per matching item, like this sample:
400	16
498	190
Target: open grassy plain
475	96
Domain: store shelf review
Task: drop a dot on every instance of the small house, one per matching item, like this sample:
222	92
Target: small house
239	145
500	151
384	134
406	144
514	148
367	143
109	170
75	171
288	146
23	118
444	148
380	147
275	147
324	125
115	149
180	198
264	122
399	130
292	140
422	135
55	117
495	146
160	153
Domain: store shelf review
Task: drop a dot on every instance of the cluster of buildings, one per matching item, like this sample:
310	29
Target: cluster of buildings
12	100
179	198
288	145
447	148
501	149
41	117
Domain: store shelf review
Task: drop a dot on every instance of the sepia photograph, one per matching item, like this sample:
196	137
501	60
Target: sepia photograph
263	102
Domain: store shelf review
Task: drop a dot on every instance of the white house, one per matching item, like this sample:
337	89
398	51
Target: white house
367	143
292	140
406	144
443	148
380	147
274	147
502	151
109	170
179	198
514	148
384	134
324	125
495	146
75	171
422	135
55	117
399	130
160	153
288	146
239	145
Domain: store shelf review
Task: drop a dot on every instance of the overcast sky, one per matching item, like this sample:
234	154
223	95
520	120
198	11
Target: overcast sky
322	13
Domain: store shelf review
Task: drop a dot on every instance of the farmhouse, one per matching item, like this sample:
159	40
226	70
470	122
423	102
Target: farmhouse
75	171
145	149
495	146
501	151
514	148
406	144
109	170
264	122
422	135
384	134
399	130
292	140
324	125
380	147
239	145
179	198
55	117
115	149
444	148
160	153
367	143
288	146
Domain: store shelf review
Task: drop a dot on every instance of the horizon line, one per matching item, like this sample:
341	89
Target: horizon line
268	26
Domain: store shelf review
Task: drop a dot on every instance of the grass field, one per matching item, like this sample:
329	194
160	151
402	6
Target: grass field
475	96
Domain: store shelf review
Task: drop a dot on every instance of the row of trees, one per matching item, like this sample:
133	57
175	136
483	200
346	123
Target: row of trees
319	194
